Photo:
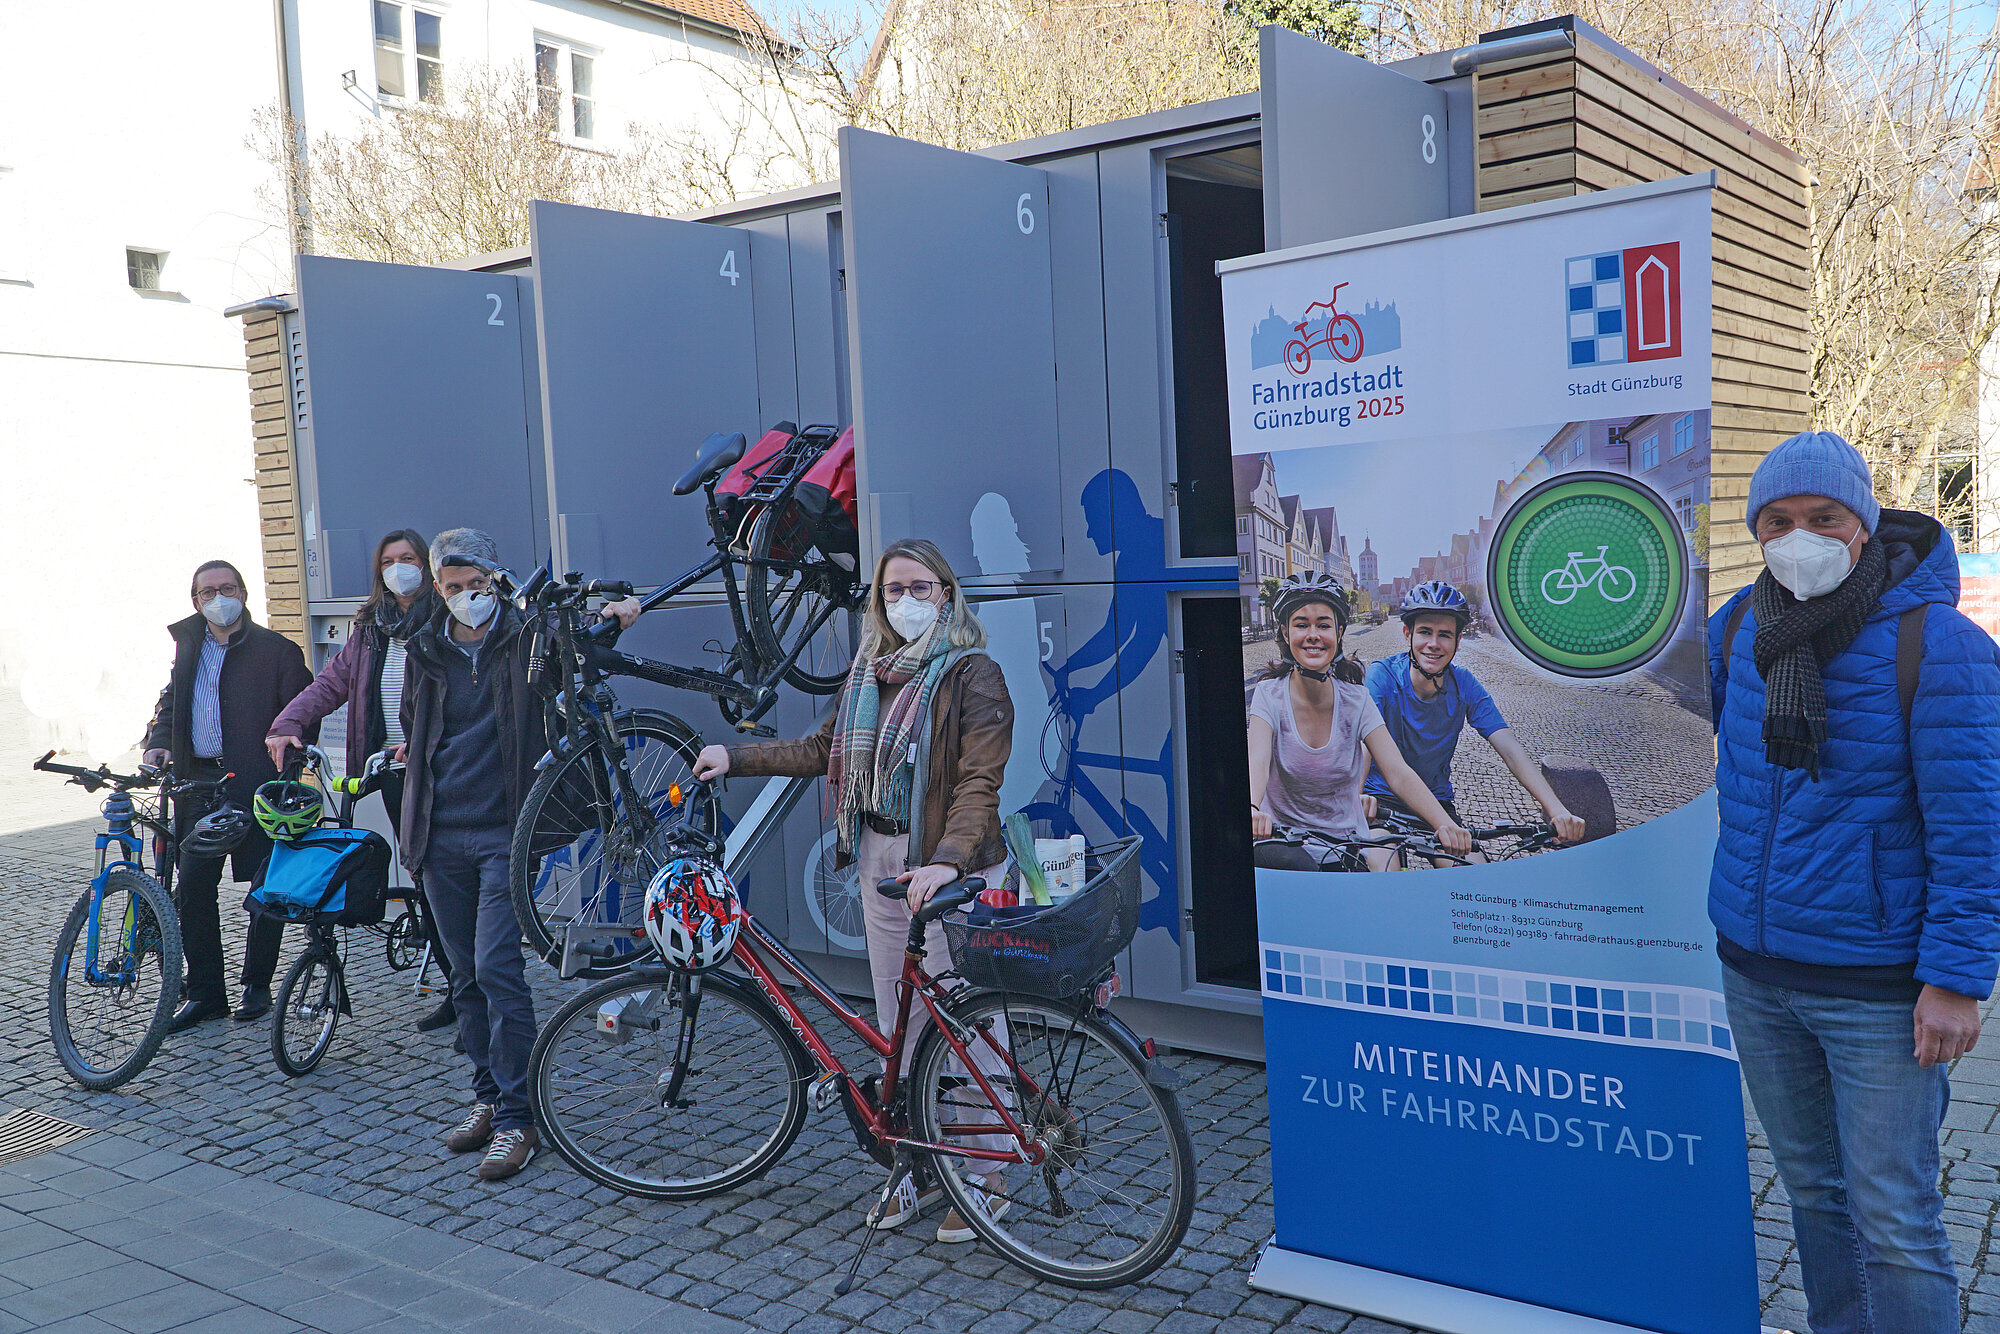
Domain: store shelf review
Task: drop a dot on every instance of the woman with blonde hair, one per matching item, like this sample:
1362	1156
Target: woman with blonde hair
920	666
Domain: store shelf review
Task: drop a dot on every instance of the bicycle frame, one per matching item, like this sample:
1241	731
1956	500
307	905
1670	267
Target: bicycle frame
914	984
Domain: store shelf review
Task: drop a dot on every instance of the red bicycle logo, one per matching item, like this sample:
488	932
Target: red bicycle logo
1341	335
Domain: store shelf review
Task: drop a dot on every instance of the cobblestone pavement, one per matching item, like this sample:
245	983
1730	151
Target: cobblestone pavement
241	1194
1640	731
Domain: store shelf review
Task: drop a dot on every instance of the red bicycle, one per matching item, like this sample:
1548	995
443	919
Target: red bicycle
1340	335
677	1086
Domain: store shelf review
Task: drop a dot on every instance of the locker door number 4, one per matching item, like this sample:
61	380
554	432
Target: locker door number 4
1430	139
728	269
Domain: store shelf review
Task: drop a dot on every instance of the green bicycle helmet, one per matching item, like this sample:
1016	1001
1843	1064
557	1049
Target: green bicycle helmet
287	810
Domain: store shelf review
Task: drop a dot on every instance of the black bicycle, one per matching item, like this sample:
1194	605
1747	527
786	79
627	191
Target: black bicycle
116	975
1411	843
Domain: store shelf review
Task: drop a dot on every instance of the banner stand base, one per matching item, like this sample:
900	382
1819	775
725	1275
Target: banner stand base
1413	1301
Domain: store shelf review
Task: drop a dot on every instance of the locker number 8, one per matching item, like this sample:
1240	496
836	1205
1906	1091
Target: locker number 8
1024	217
1430	139
728	269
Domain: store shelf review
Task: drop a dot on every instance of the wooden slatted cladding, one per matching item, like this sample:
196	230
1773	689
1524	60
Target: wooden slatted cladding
277	481
1595	118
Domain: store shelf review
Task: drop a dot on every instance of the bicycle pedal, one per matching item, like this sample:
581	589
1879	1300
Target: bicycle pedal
825	1091
757	729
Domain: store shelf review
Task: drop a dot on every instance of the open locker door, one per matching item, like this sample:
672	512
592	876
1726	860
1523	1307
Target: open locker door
648	344
418	407
1349	147
951	338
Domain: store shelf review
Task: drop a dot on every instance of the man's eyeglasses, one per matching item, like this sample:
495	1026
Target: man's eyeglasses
208	595
920	590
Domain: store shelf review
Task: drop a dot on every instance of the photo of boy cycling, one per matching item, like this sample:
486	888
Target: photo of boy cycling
1314	732
1426	700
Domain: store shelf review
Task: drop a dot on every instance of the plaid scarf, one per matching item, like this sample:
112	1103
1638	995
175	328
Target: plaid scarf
1794	639
870	765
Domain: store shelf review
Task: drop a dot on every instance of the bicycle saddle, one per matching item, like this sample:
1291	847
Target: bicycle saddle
717	454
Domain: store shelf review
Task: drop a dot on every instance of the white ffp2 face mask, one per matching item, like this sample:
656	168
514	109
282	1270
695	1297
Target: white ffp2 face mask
222	611
473	609
402	578
911	616
1810	564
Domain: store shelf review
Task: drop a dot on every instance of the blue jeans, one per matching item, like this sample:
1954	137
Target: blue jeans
465	880
1853	1122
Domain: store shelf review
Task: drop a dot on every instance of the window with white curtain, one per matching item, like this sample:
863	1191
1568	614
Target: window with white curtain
566	86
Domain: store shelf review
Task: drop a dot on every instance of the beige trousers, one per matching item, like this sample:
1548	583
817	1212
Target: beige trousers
887	922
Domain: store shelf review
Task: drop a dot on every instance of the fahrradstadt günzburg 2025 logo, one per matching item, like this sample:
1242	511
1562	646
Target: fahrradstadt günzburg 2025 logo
1308	354
1587	574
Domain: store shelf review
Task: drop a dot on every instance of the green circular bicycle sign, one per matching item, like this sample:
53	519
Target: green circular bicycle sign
1587	574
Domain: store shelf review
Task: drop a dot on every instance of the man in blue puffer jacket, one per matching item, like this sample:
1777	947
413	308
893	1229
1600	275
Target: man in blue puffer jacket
1856	888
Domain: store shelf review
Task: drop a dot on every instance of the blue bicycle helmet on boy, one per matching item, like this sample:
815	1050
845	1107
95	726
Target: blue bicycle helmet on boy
1435	597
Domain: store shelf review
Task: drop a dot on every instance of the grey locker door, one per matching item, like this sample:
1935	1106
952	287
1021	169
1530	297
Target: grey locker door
648	343
951	338
415	396
1349	147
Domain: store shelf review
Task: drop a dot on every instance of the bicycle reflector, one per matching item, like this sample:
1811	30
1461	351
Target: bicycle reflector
692	914
675	796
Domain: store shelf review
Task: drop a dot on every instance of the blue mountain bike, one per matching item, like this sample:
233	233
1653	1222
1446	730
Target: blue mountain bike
116	975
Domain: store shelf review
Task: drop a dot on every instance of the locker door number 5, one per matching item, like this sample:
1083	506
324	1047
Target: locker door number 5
728	269
1430	139
1024	217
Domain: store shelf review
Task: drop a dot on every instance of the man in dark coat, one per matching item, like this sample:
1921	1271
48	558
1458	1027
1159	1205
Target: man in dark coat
231	677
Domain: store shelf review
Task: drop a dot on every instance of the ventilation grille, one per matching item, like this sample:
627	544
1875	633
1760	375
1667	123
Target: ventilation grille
23	1134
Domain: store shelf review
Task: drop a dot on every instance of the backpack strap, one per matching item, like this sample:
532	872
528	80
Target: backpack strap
1910	656
1730	627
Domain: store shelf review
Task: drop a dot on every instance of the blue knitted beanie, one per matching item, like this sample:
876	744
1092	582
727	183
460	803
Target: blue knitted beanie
1815	463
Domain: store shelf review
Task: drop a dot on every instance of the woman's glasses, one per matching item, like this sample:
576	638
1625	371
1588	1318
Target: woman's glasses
920	590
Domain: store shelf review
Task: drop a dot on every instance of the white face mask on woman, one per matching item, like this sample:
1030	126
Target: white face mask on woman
473	609
1810	564
402	578
911	616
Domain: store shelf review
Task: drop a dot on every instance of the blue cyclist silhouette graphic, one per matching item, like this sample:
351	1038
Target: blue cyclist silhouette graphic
1133	633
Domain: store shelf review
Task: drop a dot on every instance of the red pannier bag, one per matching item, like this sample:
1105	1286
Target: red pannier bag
826	497
745	472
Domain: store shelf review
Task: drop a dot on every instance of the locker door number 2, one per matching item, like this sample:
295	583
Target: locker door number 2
494	318
1430	139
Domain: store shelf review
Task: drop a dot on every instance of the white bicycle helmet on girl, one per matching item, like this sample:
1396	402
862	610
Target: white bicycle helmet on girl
692	914
1310	586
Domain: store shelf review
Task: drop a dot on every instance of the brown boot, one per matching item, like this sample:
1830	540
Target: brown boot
473	1132
512	1149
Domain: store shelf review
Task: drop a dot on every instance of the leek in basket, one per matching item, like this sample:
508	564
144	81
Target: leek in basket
1020	838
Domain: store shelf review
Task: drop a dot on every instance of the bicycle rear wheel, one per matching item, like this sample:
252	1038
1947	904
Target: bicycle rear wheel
105	1032
568	867
307	1012
602	1078
1112	1200
788	587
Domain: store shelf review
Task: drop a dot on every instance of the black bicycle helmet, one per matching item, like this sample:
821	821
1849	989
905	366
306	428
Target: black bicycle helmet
1311	586
1435	597
218	833
288	810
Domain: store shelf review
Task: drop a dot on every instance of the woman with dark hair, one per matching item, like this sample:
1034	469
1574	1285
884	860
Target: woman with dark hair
1314	728
367	676
921	669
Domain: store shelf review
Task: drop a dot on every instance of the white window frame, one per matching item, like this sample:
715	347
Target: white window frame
1651	442
567	54
409	61
1683	428
159	270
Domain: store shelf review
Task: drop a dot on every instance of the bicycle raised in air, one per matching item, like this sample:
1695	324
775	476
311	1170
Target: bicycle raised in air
678	1085
1401	842
116	975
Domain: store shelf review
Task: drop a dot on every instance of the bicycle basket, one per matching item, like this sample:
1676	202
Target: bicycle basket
1057	951
338	877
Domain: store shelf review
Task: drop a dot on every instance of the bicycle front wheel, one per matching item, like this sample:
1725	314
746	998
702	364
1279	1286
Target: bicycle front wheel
789	587
106	1030
307	1012
652	1092
579	859
1112	1199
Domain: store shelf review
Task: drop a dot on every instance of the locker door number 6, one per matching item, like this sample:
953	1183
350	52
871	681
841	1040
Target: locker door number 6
1024	217
1430	139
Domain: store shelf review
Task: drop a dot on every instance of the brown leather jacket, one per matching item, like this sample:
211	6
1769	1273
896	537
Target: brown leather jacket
972	730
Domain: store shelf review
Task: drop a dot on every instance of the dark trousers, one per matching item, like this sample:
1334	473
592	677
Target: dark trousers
392	798
196	885
465	880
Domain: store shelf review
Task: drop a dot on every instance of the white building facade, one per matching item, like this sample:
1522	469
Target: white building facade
134	211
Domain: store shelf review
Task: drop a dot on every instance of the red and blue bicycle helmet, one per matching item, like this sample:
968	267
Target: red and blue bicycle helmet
692	914
1435	597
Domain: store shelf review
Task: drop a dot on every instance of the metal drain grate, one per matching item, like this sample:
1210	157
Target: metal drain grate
23	1134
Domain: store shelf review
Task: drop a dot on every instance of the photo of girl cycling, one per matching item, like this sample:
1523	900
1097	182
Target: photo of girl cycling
1314	729
1426	701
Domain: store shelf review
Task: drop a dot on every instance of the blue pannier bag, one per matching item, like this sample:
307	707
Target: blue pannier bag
335	876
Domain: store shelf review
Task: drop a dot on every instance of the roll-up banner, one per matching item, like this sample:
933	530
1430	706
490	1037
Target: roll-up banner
1503	1090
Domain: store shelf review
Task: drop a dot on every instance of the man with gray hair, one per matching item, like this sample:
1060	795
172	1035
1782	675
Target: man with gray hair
474	730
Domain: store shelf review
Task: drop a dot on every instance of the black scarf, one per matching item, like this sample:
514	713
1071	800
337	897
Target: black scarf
1794	639
397	624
